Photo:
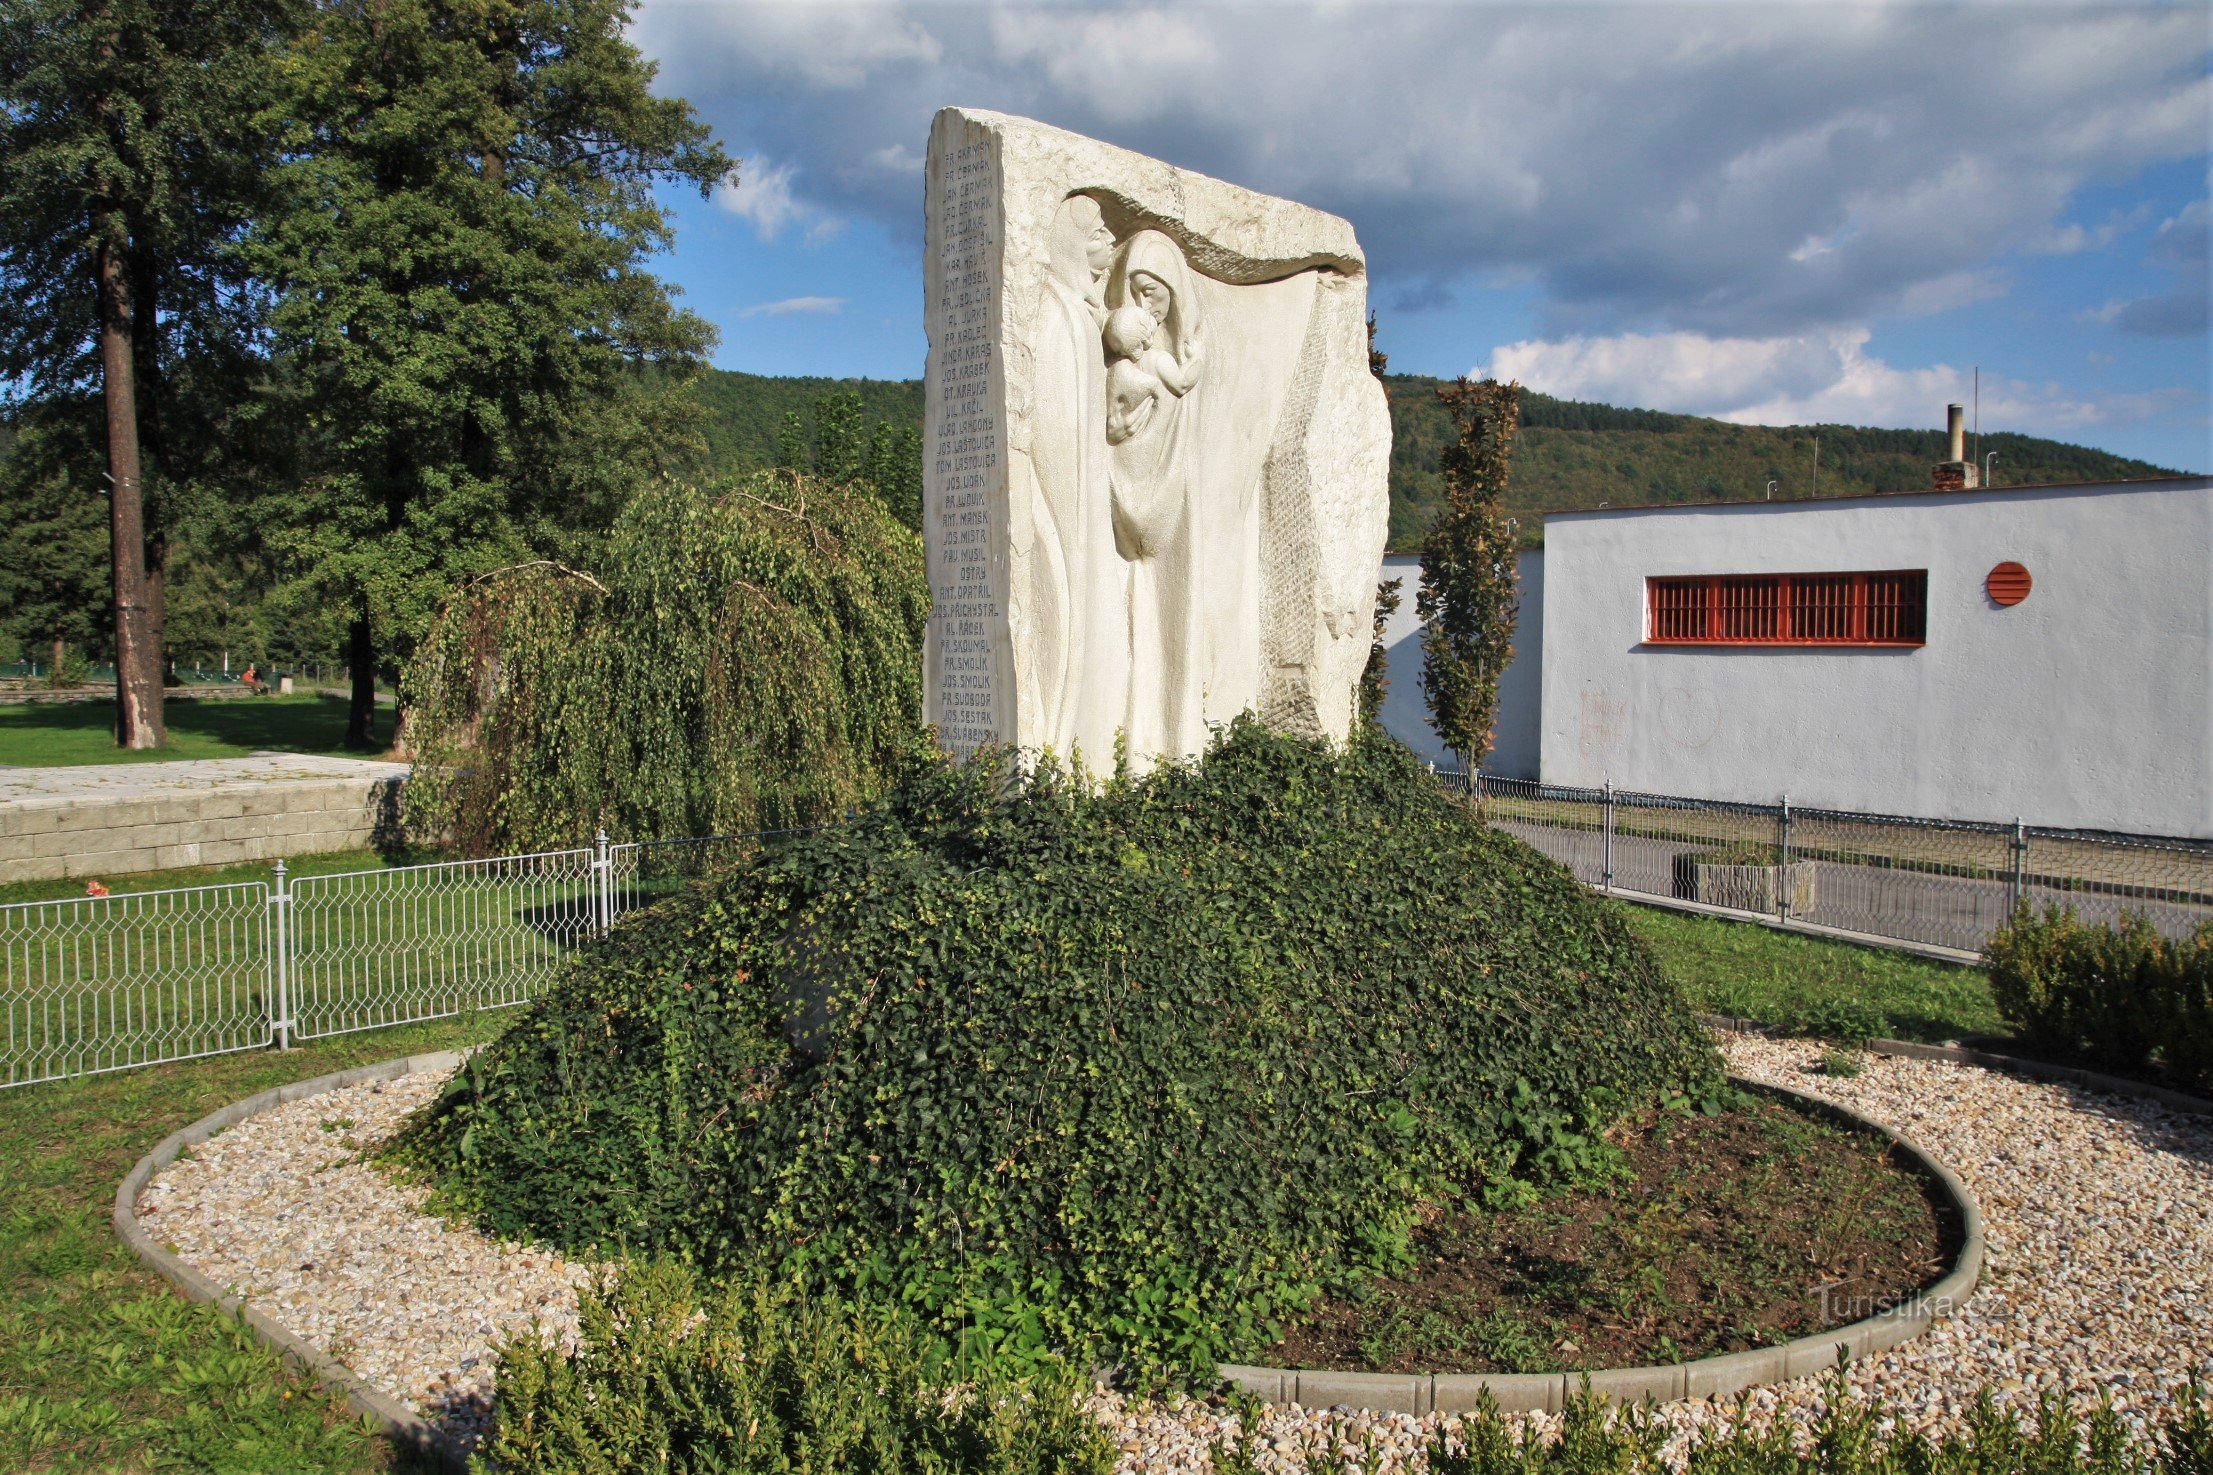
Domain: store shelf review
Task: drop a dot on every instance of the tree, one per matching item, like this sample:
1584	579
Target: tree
834	440
475	358
1467	601
737	660
1375	677
127	166
54	581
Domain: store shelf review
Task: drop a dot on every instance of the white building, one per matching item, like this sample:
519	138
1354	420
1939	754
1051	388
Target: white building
2035	652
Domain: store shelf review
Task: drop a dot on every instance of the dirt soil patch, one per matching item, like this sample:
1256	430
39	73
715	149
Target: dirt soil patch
1717	1234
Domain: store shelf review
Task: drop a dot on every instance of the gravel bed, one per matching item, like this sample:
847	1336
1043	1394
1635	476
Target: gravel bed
284	1212
2098	1219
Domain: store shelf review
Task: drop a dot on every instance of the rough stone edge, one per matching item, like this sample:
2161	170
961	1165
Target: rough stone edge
2040	1070
1708	1377
399	1422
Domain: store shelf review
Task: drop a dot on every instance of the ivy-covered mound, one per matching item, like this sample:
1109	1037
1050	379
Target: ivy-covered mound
1129	1072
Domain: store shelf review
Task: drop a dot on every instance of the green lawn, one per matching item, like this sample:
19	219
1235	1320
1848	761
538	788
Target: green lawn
102	1365
1811	984
328	863
65	734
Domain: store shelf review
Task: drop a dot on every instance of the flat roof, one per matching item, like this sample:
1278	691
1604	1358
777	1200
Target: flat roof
2140	483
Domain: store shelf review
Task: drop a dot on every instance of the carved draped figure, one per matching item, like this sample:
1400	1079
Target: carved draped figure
1152	485
1075	593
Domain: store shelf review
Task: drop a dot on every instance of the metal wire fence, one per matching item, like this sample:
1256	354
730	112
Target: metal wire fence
105	983
100	983
1937	883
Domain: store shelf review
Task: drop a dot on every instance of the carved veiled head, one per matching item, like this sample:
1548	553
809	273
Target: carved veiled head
1081	246
1153	275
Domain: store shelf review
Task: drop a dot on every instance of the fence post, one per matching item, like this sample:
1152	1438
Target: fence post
1606	875
603	883
1782	877
2019	888
280	960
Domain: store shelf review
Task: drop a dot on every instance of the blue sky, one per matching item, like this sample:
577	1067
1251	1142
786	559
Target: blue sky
1775	213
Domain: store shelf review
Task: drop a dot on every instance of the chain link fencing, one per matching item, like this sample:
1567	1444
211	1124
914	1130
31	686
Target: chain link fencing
1944	884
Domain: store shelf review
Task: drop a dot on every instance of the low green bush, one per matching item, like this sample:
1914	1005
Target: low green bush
1851	1437
1125	1072
2123	998
674	1376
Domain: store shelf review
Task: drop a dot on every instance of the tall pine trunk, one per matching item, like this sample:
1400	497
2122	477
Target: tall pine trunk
361	656
138	714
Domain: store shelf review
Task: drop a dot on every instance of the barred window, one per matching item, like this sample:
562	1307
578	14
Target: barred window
1889	608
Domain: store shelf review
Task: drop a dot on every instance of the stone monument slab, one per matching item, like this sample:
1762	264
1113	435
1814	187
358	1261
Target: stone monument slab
1155	476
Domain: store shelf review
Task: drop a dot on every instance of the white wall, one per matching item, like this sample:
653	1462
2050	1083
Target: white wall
2088	705
1515	737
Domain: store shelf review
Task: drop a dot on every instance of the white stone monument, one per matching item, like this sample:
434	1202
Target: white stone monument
1156	490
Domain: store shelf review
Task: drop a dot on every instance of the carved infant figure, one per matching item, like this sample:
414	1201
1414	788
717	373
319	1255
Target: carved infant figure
1137	372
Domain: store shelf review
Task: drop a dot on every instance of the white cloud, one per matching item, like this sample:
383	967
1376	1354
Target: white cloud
1730	170
1804	379
791	305
764	196
830	44
2180	245
2074	238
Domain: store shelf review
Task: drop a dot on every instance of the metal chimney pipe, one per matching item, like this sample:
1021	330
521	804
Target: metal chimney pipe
1955	425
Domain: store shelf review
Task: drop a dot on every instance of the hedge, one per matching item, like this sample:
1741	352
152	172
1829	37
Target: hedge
2123	998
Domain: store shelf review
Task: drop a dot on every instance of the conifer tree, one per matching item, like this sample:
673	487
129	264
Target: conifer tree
475	357
1467	600
129	162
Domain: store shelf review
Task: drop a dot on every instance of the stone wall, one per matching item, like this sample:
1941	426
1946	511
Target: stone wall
66	823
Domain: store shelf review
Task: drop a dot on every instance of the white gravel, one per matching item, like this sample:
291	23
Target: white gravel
2098	1214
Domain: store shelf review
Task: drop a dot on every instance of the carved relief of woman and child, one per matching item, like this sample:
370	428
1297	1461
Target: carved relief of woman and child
1121	359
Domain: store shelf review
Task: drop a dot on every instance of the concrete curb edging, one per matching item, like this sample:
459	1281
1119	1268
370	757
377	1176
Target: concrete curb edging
1411	1393
395	1418
1708	1377
2040	1070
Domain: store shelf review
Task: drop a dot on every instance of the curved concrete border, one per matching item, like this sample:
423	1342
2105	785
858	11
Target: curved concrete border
1708	1377
1414	1393
2039	1070
395	1418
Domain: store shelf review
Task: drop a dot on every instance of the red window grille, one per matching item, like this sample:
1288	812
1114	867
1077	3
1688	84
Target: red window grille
1889	608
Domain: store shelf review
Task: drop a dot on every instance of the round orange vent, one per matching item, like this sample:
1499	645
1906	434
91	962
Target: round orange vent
2008	585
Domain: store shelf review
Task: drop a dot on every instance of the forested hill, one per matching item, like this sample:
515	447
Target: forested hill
746	412
1570	453
1573	454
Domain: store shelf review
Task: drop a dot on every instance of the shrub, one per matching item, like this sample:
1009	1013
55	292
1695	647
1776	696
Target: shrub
1850	1438
672	1376
1131	1072
2122	997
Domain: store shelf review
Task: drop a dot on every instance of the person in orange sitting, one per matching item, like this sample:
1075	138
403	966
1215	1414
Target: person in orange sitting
252	678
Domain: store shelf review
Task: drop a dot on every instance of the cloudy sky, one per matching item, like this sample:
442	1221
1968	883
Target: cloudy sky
1777	213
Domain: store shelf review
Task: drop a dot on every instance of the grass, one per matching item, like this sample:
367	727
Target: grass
68	734
102	1365
1815	986
328	863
